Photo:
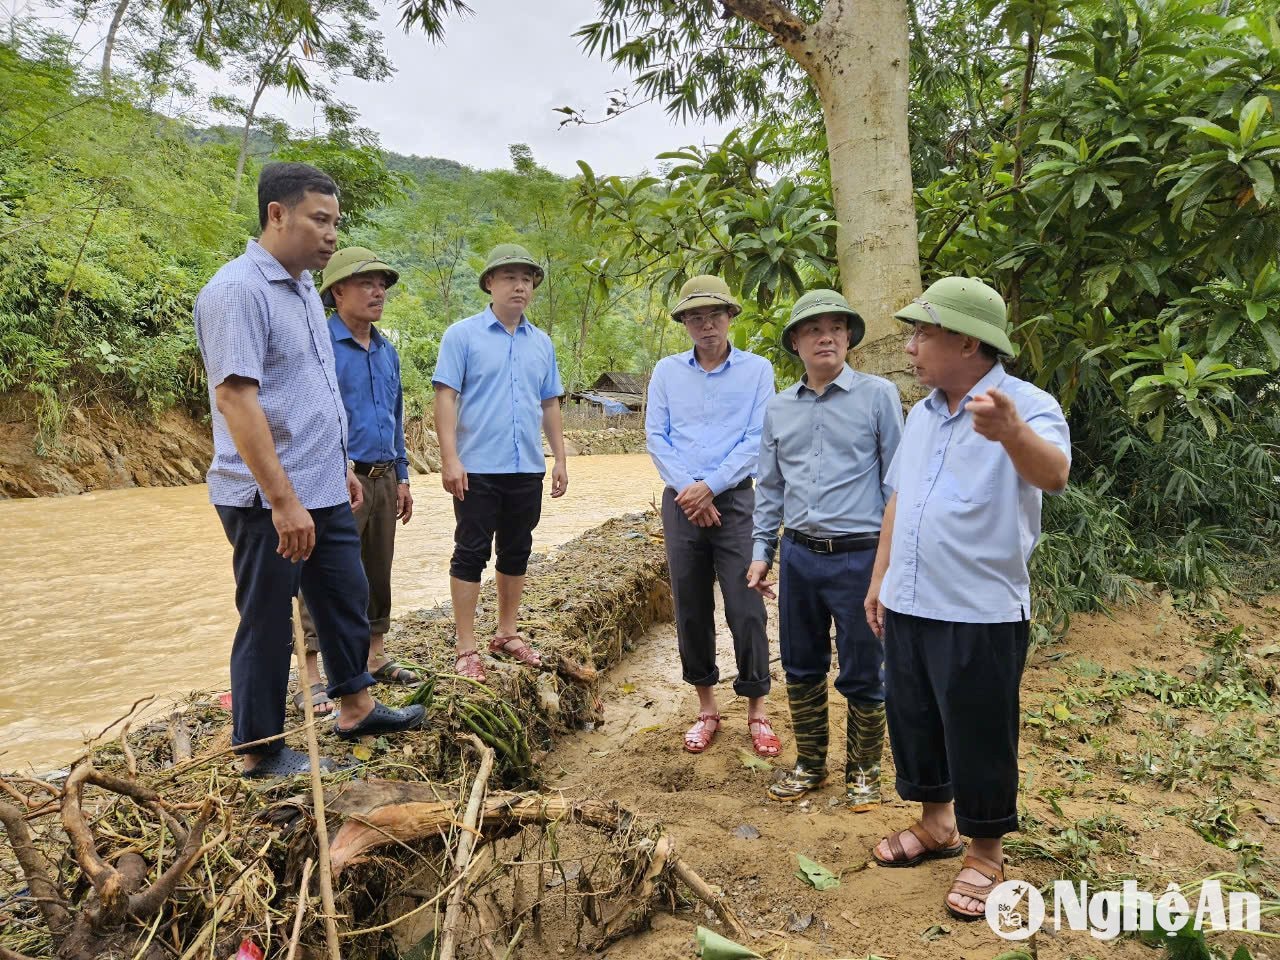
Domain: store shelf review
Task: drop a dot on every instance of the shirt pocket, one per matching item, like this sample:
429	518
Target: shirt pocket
733	407
969	473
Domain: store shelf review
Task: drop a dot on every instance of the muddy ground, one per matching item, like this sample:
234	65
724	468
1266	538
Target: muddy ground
1115	784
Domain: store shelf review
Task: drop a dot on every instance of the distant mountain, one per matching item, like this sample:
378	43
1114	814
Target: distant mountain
420	167
262	145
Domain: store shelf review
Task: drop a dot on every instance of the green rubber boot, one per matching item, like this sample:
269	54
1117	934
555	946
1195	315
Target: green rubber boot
809	726
864	745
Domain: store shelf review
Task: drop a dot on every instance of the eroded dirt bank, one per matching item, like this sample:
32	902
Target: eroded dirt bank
98	449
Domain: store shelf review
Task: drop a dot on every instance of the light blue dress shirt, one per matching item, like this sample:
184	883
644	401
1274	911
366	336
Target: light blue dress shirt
502	379
965	523
255	321
372	396
824	457
706	425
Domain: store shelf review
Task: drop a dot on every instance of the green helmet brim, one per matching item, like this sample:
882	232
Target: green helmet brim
922	311
360	266
857	328
538	273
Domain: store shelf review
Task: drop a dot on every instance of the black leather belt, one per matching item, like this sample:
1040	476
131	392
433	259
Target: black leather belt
845	544
372	470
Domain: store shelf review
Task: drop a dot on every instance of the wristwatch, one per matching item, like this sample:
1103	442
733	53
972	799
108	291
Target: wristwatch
404	482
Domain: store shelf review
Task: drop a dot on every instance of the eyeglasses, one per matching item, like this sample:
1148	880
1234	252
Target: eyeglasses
704	319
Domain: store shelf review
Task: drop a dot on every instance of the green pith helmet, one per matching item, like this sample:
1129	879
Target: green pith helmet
704	291
966	306
505	254
349	261
815	303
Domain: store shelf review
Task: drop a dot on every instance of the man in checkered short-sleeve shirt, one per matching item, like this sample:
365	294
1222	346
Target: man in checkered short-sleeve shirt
279	479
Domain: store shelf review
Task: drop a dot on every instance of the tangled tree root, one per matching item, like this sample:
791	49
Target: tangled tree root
391	835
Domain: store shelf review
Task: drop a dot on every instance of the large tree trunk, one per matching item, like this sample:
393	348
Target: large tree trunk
108	46
857	57
860	67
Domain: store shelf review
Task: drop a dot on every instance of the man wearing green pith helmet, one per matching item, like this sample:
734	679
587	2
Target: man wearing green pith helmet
950	592
497	389
824	453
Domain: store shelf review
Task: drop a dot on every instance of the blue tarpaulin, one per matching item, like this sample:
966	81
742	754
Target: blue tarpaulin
611	407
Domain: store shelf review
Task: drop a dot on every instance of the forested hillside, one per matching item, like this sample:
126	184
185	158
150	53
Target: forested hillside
1118	188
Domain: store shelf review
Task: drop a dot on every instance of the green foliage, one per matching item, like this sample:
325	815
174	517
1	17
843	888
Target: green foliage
713	212
440	234
110	219
1144	219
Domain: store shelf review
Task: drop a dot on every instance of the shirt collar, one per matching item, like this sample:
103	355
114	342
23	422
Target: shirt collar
493	319
271	268
340	331
937	400
844	380
691	358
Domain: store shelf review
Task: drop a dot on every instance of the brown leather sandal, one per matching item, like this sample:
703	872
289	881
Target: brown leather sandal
994	873
953	846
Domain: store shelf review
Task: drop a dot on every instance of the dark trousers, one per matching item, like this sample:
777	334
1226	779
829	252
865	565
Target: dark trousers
815	590
953	716
376	527
699	556
501	507
333	583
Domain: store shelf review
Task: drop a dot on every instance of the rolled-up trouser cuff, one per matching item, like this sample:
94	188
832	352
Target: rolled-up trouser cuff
986	829
354	685
751	688
707	680
380	626
914	793
467	574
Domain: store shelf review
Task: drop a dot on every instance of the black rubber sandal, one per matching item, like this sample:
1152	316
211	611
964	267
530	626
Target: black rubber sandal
383	719
287	763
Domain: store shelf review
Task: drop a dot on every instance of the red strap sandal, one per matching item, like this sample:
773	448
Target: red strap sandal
469	665
763	740
698	737
521	652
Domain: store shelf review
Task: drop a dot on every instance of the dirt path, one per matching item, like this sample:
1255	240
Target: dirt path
1128	827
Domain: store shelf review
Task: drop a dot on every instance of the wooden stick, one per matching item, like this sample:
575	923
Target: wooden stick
302	908
179	738
317	795
708	896
466	847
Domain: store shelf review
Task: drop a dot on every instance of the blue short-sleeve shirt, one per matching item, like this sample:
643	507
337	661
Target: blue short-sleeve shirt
253	320
965	522
501	379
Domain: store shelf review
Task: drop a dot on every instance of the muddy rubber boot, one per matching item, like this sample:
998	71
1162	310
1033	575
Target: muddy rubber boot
864	744
809	726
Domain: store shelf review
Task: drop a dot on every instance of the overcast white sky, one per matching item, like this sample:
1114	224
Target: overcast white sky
495	81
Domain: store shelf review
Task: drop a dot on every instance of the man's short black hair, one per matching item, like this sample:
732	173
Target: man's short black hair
287	184
988	351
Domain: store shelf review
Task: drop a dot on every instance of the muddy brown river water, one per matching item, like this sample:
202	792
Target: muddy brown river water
108	597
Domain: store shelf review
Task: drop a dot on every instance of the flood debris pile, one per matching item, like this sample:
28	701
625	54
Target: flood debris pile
153	847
